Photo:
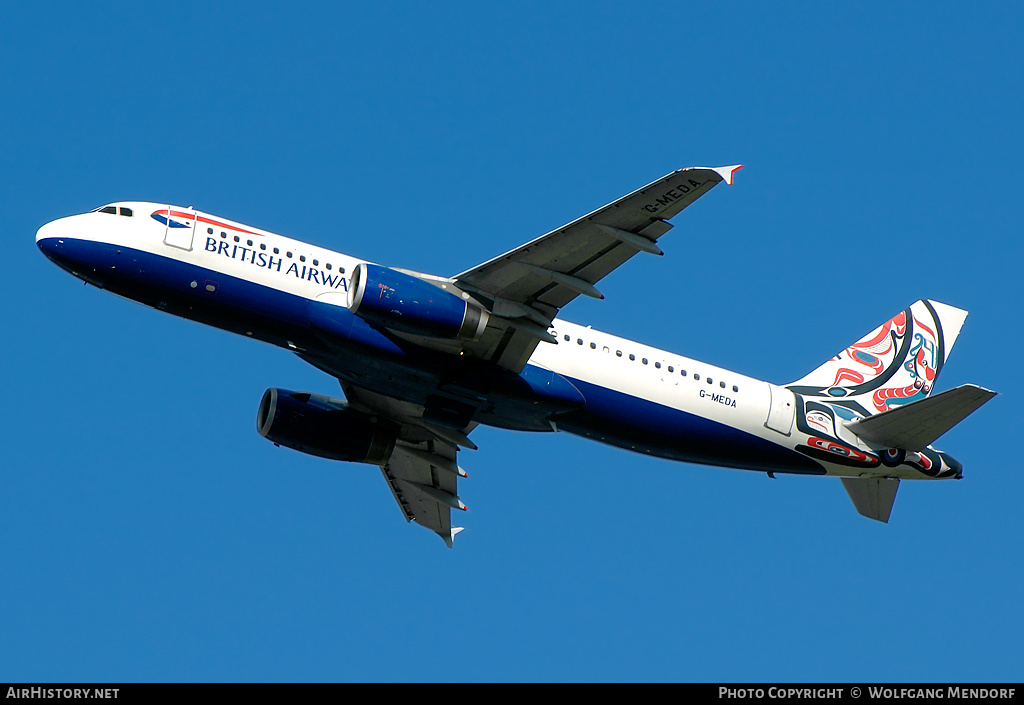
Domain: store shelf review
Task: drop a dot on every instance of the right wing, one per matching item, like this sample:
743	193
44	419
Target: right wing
527	286
523	291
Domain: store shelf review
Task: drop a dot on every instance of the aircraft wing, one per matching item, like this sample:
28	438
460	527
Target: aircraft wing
527	286
423	481
524	290
422	471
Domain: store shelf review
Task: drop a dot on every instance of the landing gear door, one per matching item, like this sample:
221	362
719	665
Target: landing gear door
181	225
782	412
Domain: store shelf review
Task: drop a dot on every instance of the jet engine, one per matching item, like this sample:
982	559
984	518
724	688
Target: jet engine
404	303
328	428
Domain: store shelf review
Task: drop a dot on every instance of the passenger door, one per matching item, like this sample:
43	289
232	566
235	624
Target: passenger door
783	410
180	227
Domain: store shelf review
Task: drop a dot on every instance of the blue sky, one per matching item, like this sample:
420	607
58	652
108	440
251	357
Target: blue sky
148	533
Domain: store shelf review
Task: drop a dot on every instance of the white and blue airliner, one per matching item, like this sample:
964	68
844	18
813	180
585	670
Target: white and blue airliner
423	359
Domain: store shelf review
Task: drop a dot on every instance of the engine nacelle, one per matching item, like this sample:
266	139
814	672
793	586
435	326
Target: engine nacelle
404	303
320	426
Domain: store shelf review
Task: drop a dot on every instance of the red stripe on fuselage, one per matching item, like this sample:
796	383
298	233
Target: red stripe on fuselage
209	221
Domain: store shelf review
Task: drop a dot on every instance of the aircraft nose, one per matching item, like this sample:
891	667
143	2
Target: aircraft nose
56	241
48	240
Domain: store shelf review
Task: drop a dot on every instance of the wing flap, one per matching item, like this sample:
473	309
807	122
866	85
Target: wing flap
916	426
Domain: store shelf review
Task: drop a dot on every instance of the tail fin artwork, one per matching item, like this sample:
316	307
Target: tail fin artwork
881	386
895	364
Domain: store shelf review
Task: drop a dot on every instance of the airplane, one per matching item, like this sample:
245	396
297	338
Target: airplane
424	359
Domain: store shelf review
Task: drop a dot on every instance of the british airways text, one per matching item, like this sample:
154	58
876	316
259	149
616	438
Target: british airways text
264	259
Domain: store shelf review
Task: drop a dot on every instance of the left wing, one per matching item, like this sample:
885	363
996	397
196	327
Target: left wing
527	286
422	471
423	479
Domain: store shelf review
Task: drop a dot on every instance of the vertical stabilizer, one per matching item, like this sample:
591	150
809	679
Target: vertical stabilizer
950	321
895	364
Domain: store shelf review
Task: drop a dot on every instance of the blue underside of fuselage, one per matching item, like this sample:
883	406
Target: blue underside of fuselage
366	356
647	427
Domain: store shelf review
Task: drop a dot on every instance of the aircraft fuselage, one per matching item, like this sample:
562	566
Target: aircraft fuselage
294	295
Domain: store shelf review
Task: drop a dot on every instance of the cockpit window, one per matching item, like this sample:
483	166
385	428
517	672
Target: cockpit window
112	210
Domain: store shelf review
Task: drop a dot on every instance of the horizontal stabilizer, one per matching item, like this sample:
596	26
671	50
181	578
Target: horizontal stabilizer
916	426
872	496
